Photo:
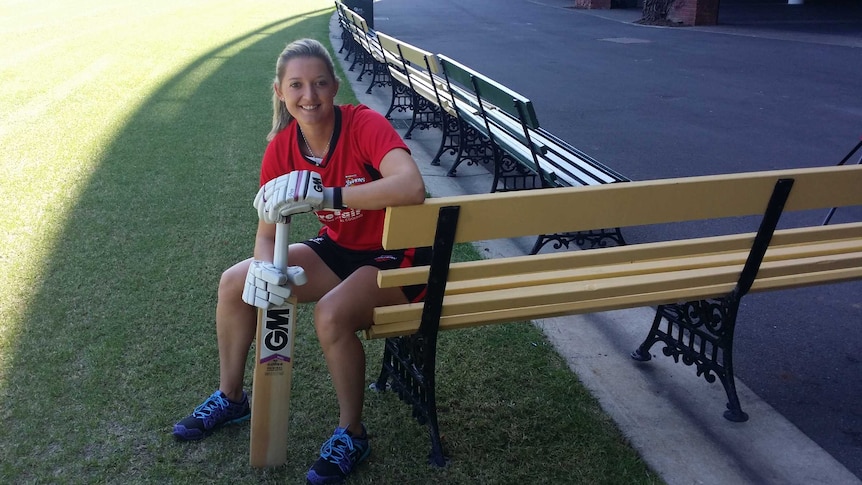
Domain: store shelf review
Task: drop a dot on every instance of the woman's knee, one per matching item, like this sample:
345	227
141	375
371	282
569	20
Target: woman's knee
232	281
325	321
335	319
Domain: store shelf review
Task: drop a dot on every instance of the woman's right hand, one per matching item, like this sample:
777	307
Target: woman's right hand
292	193
266	286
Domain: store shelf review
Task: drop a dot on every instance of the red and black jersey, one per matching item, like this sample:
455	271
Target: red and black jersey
361	139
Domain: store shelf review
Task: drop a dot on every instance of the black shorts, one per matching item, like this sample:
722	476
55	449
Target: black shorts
343	262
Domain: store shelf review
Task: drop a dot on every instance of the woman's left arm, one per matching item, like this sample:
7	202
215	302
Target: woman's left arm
401	184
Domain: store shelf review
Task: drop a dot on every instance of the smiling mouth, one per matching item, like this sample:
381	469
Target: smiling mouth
310	108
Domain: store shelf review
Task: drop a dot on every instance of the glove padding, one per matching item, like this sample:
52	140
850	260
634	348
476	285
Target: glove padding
266	286
292	193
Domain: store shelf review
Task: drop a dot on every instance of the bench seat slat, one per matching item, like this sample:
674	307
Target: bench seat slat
490	301
515	314
614	303
512	314
533	277
648	267
490	268
567	151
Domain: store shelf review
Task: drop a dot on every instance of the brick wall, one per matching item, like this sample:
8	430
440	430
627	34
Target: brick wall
686	12
694	12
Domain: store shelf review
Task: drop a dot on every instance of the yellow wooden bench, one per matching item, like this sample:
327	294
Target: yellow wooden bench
421	88
367	50
696	283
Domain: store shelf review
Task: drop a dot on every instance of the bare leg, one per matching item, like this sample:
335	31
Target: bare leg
236	321
235	328
338	315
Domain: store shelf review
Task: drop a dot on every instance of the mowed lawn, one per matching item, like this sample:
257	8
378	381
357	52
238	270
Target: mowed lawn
131	137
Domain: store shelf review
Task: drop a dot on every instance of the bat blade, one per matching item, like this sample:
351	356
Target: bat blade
273	371
273	375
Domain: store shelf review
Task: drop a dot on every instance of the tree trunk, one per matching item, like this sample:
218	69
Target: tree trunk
656	10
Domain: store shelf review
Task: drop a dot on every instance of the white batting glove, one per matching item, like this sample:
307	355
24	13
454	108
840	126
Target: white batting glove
266	286
292	193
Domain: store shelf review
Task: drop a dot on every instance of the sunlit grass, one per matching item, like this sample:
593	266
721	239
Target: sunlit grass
73	73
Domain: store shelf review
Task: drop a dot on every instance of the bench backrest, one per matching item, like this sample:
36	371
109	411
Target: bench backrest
416	68
390	50
549	211
504	116
340	8
363	34
488	92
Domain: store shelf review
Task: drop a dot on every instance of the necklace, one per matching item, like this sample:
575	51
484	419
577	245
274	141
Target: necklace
313	156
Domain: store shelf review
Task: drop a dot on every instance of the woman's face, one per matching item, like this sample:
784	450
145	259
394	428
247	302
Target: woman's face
308	90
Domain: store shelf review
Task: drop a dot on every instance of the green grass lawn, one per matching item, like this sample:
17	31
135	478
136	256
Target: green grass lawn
132	134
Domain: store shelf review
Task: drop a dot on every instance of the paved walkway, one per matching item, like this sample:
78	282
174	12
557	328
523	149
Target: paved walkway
672	417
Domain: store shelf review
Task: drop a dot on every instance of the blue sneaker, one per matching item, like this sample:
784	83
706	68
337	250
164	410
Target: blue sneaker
339	456
214	413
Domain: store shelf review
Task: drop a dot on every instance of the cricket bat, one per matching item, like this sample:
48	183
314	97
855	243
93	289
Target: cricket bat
273	371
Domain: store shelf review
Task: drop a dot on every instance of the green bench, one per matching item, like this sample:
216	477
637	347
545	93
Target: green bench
524	155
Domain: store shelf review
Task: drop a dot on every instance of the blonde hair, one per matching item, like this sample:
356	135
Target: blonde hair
299	48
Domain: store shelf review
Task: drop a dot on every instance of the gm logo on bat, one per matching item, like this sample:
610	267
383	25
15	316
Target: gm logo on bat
276	335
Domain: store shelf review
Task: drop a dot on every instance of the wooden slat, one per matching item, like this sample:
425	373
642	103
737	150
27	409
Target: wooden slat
451	322
785	282
548	211
492	268
613	303
416	56
547	311
408	327
560	292
649	267
679	281
390	49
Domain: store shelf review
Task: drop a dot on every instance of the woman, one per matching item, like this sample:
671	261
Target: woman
365	167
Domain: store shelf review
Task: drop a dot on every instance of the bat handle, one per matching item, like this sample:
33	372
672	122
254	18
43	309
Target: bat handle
282	240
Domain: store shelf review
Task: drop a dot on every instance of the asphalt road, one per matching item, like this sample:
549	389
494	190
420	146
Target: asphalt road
764	91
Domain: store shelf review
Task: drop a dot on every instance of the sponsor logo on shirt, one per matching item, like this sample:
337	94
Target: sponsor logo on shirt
345	215
353	179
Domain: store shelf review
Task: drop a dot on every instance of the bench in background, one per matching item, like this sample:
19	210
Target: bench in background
367	51
506	132
421	88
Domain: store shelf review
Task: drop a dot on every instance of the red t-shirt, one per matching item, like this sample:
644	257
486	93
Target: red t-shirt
361	139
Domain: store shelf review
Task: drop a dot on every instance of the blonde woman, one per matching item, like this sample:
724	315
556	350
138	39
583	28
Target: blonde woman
364	167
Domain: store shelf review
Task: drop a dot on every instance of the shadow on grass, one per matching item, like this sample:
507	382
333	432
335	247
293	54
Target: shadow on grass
120	343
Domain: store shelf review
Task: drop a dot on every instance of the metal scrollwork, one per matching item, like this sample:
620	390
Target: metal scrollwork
426	115
380	76
592	239
402	98
712	314
699	333
451	139
474	148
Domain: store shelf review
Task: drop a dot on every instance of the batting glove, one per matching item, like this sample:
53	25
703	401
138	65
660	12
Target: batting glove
294	193
266	286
